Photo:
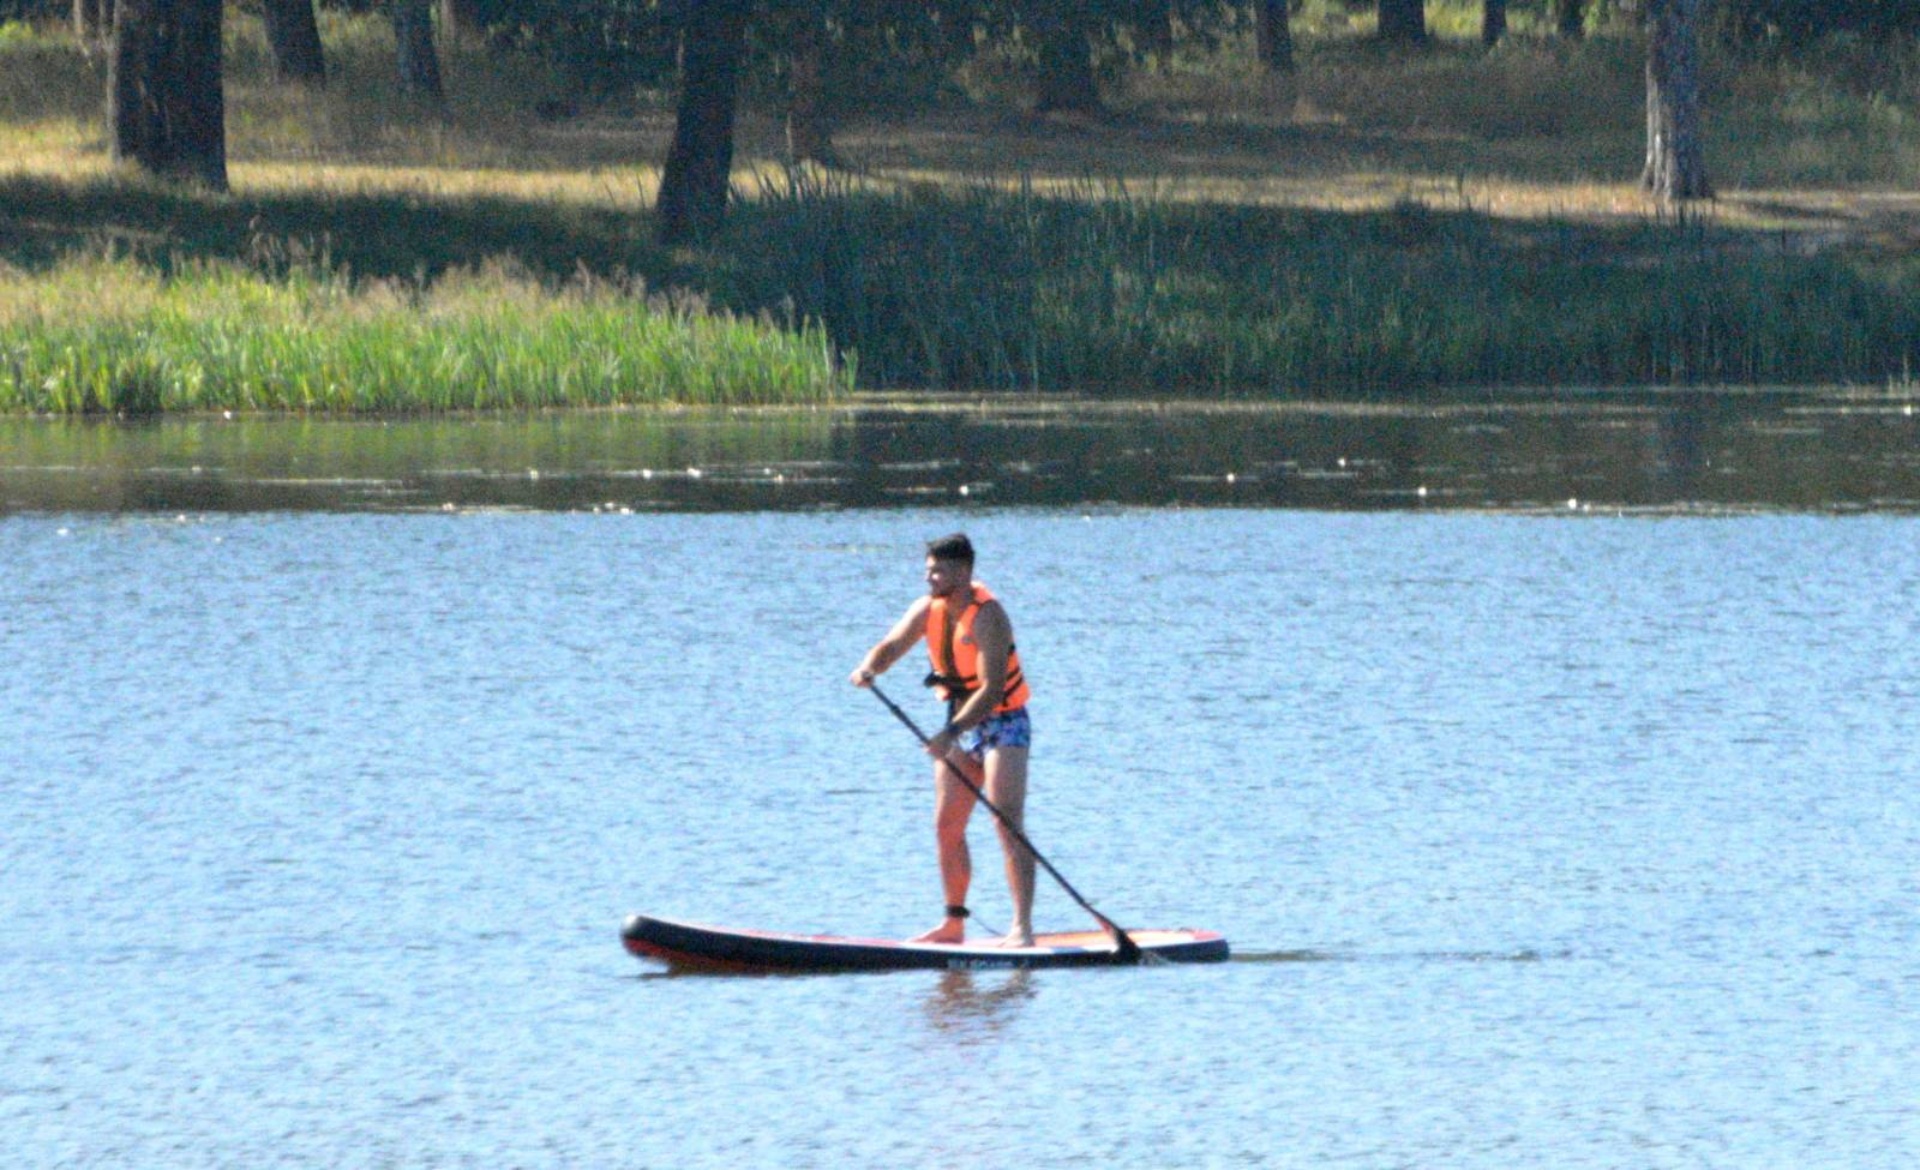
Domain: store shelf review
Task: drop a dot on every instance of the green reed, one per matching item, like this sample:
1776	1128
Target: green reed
1187	288
115	336
1101	290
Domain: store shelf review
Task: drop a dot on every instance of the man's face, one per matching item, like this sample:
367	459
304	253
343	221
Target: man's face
944	578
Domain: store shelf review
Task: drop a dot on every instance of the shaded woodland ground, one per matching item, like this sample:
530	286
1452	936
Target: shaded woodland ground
1483	205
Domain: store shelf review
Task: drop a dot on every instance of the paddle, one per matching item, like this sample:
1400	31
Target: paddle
1125	949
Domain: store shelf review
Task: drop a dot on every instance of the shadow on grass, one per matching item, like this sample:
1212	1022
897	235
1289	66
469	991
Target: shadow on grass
1164	146
1099	290
371	235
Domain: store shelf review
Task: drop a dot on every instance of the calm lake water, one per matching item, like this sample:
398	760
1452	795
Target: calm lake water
1545	835
1833	450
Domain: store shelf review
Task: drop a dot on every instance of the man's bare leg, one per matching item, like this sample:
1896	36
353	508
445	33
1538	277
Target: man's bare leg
952	804
1006	787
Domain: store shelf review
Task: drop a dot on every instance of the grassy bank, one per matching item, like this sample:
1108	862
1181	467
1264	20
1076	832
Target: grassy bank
1137	295
118	337
342	275
1375	227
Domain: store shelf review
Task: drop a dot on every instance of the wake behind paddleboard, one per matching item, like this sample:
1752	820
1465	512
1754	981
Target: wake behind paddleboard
697	947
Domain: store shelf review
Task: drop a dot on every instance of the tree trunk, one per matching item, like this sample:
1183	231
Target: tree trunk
1156	30
1273	35
92	22
1403	22
419	64
693	188
956	34
809	129
294	37
1493	22
462	18
1676	157
165	107
1572	18
1066	82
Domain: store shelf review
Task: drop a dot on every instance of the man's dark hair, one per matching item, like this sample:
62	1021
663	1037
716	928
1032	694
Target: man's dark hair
951	548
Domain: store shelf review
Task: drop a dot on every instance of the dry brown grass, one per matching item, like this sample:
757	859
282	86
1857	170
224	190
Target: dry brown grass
1533	131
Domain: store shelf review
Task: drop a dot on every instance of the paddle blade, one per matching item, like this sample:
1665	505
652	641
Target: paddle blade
1124	948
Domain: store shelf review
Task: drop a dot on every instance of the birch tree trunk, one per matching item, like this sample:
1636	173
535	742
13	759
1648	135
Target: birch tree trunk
1676	167
92	23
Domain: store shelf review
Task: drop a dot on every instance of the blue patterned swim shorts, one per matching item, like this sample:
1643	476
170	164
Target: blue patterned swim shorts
1013	729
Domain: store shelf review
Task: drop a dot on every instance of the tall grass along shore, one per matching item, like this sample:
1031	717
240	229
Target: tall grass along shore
1133	295
1213	238
116	336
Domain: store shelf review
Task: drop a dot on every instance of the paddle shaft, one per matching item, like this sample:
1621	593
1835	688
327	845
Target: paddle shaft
1128	949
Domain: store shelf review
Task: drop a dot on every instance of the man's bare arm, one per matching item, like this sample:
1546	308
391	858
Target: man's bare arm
892	648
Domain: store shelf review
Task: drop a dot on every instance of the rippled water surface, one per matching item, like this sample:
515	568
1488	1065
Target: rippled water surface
1571	839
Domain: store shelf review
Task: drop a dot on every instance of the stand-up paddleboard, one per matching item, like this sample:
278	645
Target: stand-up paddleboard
696	947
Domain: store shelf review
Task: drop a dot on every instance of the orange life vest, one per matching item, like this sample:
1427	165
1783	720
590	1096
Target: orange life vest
956	664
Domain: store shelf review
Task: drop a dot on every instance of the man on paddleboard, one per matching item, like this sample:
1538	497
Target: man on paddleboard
977	671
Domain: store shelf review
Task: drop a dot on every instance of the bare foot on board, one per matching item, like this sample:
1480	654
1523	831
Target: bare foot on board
951	931
1015	938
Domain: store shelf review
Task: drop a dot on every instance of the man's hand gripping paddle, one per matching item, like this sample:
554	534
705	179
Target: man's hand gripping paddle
1125	949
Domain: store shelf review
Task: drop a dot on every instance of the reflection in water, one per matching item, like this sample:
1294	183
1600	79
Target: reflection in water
1674	451
1681	450
969	1007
